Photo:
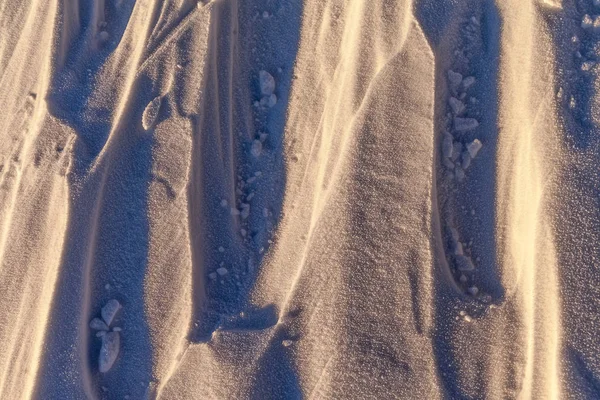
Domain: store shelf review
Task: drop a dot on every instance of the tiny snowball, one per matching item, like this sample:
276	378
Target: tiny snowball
267	83
473	290
474	147
222	271
151	113
110	310
457	106
256	148
98	325
109	351
465	124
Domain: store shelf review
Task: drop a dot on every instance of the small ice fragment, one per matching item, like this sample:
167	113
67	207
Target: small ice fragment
587	65
117	329
474	20
464	263
447	145
256	148
222	271
223	203
474	147
150	113
267	83
265	14
109	311
447	163
243	232
465	124
272	100
262	137
473	290
466	160
467	318
221	249
245	211
468	82
258	173
100	334
104	36
98	325
109	351
457	106
463	278
456	151
597	3
287	343
265	212
212	275
459	173
587	22
454	78
107	286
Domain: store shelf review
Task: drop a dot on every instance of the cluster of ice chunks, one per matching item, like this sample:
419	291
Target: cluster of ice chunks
267	89
111	341
591	23
462	261
456	155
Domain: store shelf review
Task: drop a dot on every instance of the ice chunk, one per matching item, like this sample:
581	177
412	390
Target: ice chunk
587	22
447	145
150	113
267	83
468	82
591	23
464	263
222	271
98	325
109	351
454	78
459	173
465	124
457	150
110	310
245	211
466	160
256	148
457	106
474	147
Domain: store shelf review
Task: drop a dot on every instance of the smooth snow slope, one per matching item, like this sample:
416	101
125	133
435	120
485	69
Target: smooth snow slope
299	199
